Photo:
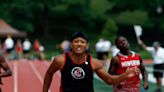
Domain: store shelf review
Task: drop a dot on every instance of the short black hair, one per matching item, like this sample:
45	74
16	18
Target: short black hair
79	34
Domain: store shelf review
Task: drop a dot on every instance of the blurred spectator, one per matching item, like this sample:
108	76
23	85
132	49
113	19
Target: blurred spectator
41	52
26	48
114	50
157	52
18	49
102	48
98	48
106	48
36	45
9	45
64	46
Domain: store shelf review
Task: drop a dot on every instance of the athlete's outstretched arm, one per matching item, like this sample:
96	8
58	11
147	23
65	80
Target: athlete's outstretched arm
5	67
142	44
112	79
55	66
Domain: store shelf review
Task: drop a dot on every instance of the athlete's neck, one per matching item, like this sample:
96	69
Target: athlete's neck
125	52
78	57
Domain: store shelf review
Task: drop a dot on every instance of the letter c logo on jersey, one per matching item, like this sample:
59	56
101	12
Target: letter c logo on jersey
78	73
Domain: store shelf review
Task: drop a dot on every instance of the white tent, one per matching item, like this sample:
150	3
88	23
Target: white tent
6	29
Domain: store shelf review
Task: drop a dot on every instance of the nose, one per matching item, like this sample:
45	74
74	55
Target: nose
79	43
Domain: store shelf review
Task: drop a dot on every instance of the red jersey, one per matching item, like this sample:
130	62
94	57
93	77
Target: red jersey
130	84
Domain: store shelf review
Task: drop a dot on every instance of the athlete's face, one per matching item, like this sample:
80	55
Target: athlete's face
122	43
79	45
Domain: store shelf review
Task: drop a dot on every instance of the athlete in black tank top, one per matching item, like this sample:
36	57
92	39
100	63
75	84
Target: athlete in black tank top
77	68
77	77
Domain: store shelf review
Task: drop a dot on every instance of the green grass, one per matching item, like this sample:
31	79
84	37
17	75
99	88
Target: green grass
100	86
145	54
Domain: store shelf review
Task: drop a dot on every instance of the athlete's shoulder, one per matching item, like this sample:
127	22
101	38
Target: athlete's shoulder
58	58
58	61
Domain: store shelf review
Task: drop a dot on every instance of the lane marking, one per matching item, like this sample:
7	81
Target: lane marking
15	76
37	74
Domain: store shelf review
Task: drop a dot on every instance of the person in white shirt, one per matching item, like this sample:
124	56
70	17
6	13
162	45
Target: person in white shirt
26	48
9	44
102	48
114	50
157	53
65	46
98	48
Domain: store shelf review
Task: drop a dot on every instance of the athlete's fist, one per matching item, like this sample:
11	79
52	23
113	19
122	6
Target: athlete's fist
146	85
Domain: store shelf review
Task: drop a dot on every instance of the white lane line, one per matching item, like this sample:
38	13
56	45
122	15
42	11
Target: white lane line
37	73
46	63
15	76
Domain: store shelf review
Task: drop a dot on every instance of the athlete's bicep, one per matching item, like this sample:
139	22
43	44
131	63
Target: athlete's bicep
142	67
55	65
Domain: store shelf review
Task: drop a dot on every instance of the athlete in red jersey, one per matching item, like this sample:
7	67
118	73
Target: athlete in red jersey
123	60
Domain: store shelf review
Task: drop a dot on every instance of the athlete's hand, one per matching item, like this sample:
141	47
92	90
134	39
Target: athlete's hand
146	85
139	41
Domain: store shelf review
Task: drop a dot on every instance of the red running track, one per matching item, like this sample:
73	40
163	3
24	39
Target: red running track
28	77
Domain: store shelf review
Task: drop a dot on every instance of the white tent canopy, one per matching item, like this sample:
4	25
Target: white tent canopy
6	29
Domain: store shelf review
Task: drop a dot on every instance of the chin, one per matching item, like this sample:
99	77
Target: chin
78	52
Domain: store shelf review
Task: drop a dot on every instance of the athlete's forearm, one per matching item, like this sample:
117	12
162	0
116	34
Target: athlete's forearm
119	78
145	76
47	82
130	72
114	79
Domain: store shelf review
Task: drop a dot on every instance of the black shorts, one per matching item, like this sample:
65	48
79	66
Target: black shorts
26	51
158	70
9	50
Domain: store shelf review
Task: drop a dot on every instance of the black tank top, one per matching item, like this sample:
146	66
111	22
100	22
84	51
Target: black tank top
76	77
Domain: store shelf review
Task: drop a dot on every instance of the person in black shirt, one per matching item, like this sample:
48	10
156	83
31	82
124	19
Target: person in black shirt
77	68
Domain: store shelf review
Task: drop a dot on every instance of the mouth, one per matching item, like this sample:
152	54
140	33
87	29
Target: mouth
78	49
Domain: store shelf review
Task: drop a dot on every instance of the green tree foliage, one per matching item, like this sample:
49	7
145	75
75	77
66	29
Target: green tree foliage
109	29
48	17
143	12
